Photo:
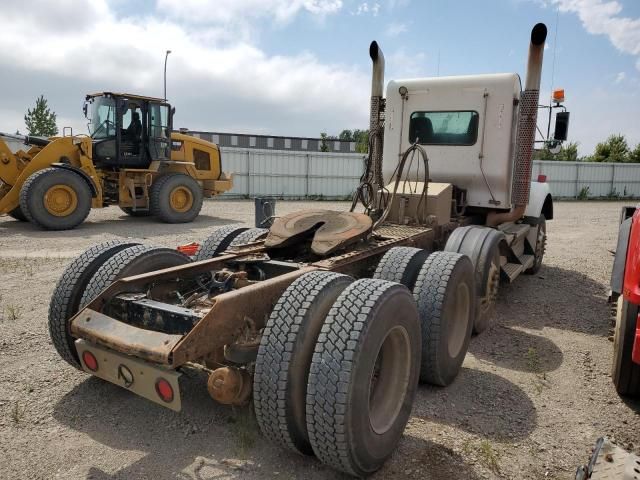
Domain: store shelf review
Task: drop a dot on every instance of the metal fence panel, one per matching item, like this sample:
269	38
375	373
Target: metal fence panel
297	174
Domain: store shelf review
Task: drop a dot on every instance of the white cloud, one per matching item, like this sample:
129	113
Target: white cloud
620	77
233	11
395	28
406	65
603	17
216	81
373	8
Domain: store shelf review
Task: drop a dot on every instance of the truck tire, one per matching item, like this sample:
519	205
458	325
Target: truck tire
135	213
17	214
55	199
176	198
541	245
444	292
131	261
249	236
625	373
401	265
218	241
284	357
482	246
363	376
67	294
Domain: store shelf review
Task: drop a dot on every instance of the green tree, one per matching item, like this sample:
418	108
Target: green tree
41	121
324	146
634	155
361	137
613	149
568	153
346	136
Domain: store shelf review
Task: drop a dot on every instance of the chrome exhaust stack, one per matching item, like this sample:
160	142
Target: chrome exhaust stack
376	119
526	133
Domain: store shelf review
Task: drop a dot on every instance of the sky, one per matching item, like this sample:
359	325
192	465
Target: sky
300	67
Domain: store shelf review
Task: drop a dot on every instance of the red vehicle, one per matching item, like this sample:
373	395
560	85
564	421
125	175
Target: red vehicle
625	288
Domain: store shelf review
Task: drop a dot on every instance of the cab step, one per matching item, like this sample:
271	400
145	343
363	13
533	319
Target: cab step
512	270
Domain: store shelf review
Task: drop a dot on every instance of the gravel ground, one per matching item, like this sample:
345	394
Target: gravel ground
533	396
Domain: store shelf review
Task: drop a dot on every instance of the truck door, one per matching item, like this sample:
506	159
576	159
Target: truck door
159	130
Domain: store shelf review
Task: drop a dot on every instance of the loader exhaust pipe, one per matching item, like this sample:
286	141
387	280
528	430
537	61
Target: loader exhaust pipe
376	118
526	134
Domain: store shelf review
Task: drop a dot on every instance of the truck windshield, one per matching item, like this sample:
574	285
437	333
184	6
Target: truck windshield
444	128
103	117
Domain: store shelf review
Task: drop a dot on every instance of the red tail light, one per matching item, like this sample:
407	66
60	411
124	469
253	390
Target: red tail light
542	178
90	361
164	390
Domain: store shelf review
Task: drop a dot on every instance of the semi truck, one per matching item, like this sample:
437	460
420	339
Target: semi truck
327	321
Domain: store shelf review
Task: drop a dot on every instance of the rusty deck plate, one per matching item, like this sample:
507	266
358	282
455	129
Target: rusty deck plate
334	229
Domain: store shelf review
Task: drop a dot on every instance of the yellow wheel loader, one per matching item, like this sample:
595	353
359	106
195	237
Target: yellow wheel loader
132	158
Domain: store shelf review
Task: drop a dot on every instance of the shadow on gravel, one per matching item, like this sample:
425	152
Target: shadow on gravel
515	349
557	298
208	441
481	403
124	226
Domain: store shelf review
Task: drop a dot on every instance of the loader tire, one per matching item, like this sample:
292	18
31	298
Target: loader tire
55	199
624	372
444	292
218	241
132	261
67	294
176	198
401	265
18	215
363	376
284	357
135	213
482	246
250	236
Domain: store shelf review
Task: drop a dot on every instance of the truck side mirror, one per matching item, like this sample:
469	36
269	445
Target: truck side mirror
562	126
84	109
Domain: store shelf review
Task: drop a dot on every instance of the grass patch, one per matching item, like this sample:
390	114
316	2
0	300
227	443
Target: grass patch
17	414
245	429
540	381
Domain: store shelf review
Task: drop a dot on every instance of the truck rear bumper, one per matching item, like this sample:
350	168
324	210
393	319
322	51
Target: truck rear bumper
116	335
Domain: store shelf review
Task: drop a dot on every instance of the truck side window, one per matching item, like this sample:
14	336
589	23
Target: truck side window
444	128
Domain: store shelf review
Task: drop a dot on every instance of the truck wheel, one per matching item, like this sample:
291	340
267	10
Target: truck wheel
218	241
482	246
444	292
131	261
55	199
401	265
363	376
625	373
250	236
65	301
541	245
284	357
135	213
18	215
176	198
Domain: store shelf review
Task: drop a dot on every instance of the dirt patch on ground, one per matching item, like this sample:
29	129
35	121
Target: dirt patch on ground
533	396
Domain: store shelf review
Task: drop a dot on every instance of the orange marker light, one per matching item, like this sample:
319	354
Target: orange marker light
558	95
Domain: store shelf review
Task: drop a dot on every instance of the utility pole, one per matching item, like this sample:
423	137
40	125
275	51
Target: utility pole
165	73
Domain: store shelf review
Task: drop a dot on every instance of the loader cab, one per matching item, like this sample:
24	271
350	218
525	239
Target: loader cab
129	131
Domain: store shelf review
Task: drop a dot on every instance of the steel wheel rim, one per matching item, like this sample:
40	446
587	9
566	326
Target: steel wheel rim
389	379
493	279
60	200
458	326
181	199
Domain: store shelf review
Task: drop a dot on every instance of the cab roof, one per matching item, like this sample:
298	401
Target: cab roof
126	95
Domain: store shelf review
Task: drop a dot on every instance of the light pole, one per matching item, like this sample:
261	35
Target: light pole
165	73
